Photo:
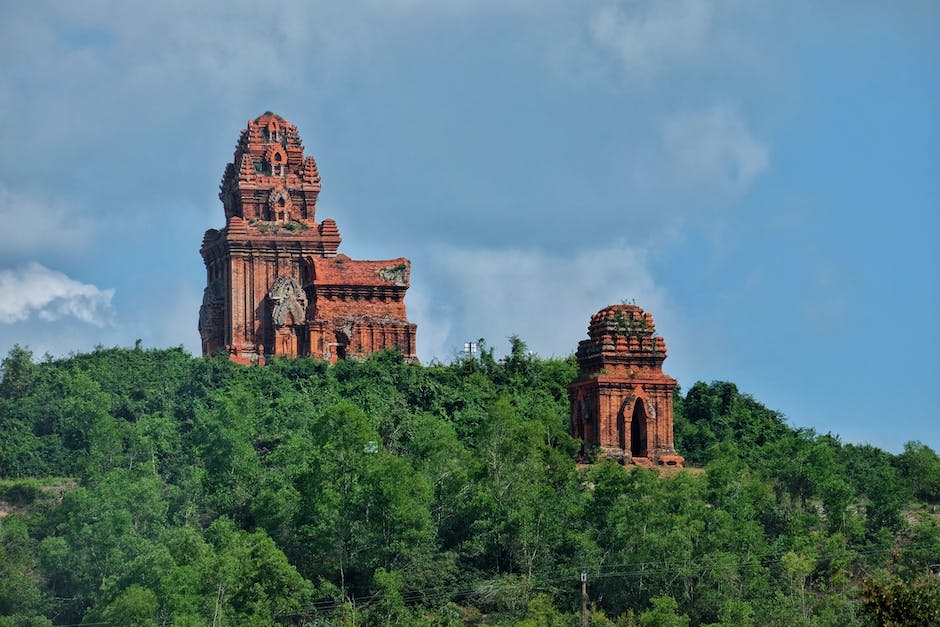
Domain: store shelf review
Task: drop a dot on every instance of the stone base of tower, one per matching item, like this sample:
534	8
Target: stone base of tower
247	356
664	458
671	460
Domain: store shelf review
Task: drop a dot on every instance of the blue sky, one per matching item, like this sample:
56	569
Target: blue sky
763	177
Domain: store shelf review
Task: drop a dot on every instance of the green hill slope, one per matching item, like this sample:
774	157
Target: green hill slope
201	492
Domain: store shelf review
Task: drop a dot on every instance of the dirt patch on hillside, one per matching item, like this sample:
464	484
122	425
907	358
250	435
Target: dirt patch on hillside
20	494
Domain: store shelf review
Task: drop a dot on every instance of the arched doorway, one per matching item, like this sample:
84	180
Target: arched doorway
342	344
638	446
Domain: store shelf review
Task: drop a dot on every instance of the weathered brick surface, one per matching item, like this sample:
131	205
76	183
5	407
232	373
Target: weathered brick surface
621	402
350	308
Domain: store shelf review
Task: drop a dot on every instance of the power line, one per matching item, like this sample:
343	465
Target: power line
540	579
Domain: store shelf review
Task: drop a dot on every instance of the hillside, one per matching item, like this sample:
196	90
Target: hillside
151	487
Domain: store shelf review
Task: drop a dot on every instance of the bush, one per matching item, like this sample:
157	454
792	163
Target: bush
20	492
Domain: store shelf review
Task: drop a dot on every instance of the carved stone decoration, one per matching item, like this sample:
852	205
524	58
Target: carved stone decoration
395	274
276	158
211	315
288	297
279	205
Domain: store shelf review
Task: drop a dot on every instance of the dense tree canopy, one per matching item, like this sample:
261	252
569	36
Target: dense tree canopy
147	487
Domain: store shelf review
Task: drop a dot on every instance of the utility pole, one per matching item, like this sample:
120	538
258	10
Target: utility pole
470	348
584	612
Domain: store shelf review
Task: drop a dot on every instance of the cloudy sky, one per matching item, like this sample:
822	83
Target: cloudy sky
763	177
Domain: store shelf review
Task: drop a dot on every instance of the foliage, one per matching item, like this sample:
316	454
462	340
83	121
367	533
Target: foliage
149	487
294	225
894	601
920	467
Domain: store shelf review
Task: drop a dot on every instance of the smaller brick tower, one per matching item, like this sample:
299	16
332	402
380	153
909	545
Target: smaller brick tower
621	403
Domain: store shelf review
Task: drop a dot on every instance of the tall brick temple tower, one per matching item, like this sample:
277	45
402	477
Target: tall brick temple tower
275	285
621	402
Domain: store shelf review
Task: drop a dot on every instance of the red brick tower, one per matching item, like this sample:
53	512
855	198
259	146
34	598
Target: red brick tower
621	403
275	283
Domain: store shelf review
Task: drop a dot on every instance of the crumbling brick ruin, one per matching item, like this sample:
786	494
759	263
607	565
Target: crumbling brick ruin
275	283
621	403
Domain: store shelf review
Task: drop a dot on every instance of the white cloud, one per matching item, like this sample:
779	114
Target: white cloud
713	149
51	295
648	38
216	44
546	299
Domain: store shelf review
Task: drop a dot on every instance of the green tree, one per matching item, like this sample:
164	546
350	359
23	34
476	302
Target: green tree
250	579
891	600
135	607
17	373
20	593
542	613
363	508
663	612
390	609
920	467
